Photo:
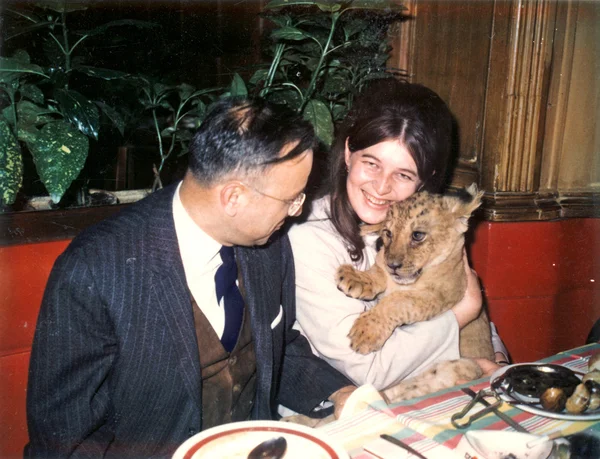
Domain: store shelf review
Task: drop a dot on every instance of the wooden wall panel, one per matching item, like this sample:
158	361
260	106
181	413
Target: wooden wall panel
522	78
449	52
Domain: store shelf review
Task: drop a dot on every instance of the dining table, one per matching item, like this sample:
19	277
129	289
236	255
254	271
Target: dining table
425	423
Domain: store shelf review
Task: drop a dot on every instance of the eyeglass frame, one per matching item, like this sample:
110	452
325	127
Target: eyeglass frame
295	204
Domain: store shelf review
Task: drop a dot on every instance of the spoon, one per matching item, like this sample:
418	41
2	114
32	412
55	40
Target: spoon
273	448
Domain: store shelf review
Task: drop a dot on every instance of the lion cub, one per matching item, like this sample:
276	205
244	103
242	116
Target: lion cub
419	273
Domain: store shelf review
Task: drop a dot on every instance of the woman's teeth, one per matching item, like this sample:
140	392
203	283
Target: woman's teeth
377	202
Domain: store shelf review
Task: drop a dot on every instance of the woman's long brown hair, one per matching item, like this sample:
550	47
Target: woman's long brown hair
390	109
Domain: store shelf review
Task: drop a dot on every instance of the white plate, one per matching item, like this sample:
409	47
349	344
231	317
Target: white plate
499	444
237	439
537	408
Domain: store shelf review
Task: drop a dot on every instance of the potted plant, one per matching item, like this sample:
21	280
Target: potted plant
43	111
322	53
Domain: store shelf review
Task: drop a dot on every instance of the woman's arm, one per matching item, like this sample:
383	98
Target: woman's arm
468	309
325	316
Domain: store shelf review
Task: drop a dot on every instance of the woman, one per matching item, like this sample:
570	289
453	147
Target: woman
396	141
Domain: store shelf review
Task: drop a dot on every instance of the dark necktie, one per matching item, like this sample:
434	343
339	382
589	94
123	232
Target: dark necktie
225	282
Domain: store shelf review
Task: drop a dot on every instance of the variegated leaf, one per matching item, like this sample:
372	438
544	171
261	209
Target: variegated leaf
59	152
11	164
320	117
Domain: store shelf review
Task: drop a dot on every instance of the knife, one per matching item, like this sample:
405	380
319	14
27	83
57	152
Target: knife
402	445
511	422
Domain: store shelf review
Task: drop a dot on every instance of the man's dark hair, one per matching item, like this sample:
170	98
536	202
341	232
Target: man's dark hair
246	136
390	109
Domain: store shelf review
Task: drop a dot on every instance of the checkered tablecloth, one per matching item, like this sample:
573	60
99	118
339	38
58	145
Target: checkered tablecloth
424	423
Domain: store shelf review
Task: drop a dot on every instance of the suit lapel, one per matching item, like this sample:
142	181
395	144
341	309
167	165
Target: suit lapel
171	292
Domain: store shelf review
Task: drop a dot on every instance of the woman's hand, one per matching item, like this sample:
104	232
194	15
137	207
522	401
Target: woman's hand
468	309
487	366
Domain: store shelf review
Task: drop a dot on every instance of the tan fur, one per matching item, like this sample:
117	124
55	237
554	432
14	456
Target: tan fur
417	280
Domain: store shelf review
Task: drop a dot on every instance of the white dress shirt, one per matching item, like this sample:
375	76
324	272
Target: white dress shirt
201	259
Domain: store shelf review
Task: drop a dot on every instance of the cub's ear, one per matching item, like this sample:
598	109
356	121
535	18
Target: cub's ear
462	209
369	229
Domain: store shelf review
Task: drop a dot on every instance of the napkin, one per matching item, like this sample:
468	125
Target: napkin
361	399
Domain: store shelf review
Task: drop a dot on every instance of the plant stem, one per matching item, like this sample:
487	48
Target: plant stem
77	44
313	81
279	48
160	149
295	87
66	49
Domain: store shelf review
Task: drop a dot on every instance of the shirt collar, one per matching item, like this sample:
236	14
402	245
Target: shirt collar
196	247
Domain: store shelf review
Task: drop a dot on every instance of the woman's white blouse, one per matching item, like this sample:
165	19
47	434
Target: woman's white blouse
325	315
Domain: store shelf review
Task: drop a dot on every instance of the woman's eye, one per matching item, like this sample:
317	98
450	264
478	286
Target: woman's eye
405	178
387	233
418	236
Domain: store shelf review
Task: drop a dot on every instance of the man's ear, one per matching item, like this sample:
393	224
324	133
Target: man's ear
232	197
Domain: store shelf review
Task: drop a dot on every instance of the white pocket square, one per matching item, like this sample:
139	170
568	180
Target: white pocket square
278	318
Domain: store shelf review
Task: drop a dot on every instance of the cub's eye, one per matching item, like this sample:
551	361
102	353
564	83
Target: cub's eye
418	236
386	233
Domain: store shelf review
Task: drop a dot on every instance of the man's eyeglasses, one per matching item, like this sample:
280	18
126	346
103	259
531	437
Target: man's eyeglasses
294	204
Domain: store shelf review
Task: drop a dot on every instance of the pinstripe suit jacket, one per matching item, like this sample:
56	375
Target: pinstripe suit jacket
115	369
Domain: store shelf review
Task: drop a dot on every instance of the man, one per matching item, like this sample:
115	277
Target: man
135	350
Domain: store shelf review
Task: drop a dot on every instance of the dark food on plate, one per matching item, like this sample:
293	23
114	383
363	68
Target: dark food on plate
532	380
554	387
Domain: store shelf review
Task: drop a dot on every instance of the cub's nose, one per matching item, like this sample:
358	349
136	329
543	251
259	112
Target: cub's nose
395	265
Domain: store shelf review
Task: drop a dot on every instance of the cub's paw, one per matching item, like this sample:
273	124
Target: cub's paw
369	332
354	284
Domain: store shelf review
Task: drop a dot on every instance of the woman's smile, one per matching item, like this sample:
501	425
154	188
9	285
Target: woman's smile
375	202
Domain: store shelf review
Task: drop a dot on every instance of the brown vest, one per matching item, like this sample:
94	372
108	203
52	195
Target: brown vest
228	379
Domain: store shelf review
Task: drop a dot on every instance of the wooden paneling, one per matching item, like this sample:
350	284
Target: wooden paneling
522	78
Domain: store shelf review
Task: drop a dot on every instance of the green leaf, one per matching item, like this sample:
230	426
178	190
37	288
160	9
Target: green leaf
28	133
105	74
281	21
337	85
22	56
385	5
12	65
59	152
11	164
28	112
185	90
113	115
161	90
353	27
30	28
289	33
258	76
281	3
238	87
329	8
167	132
80	111
320	117
33	93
